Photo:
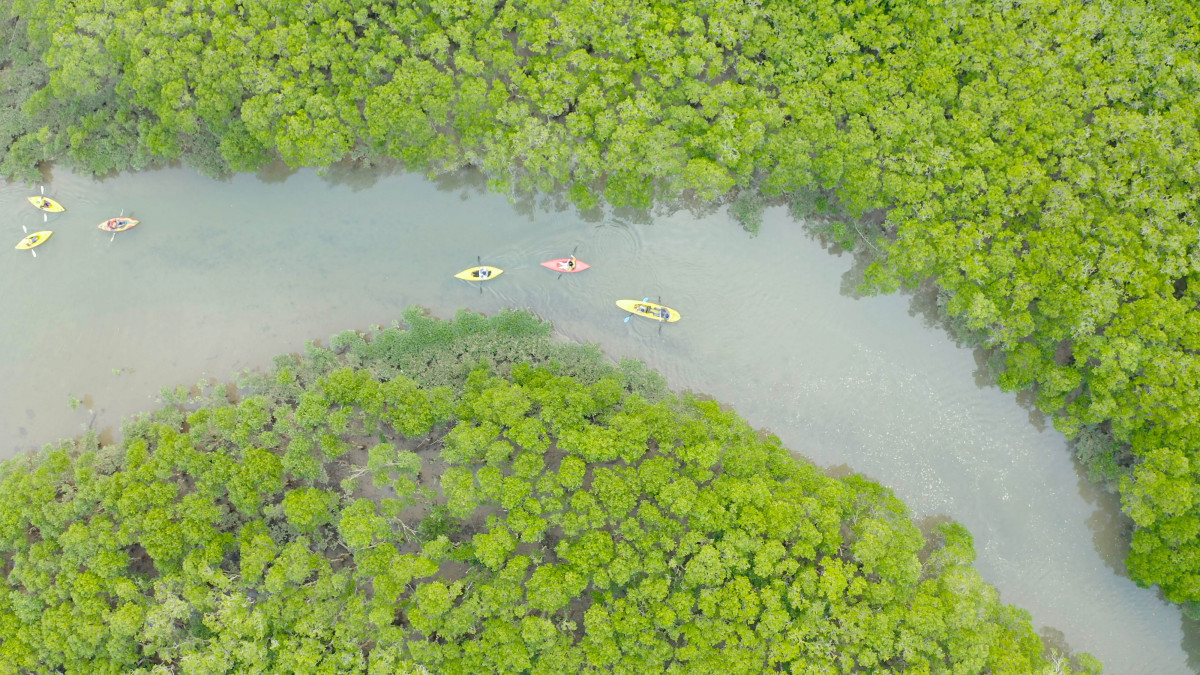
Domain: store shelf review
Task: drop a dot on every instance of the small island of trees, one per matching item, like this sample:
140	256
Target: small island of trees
470	497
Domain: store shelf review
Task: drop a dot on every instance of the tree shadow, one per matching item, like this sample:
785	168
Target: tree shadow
1112	530
628	215
275	171
1191	641
928	527
927	304
107	435
841	471
361	173
529	204
467	182
558	201
46	169
1056	640
695	207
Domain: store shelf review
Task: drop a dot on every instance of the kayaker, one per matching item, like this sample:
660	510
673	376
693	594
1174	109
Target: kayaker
571	263
483	273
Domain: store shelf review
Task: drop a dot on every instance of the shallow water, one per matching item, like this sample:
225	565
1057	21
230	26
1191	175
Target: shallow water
223	275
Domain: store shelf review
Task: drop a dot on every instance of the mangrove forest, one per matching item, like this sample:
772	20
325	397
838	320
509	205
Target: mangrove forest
476	497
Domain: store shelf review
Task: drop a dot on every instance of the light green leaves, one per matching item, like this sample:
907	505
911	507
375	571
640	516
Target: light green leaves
705	569
259	474
571	472
493	548
1163	484
308	508
360	525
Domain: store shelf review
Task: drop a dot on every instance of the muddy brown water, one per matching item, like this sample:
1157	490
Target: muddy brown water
223	275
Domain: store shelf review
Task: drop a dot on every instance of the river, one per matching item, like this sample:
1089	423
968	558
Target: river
223	275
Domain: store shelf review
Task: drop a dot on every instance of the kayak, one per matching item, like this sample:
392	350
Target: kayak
35	239
118	224
47	204
560	265
473	273
649	310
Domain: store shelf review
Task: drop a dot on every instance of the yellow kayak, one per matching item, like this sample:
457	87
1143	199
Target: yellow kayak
47	204
650	310
35	239
480	273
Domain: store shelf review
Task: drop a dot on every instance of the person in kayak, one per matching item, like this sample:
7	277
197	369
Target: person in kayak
483	273
571	263
663	313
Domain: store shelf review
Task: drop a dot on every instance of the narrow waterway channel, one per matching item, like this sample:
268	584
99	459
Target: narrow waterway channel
223	275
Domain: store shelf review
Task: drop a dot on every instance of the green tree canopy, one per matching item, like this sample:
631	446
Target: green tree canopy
556	522
1035	160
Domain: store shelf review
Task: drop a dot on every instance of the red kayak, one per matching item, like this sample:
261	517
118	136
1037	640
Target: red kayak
562	265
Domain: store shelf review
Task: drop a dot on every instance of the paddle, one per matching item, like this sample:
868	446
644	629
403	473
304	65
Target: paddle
572	253
44	219
631	316
114	231
479	263
26	229
31	250
660	323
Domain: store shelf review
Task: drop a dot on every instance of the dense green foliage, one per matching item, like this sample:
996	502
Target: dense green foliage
1037	160
516	519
